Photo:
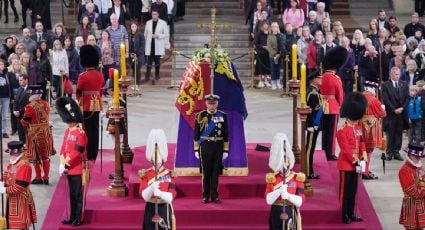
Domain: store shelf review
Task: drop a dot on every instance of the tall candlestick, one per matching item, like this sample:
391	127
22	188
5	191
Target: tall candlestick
294	62
122	61
303	90
116	101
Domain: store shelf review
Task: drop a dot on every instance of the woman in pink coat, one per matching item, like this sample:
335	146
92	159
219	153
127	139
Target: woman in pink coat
293	15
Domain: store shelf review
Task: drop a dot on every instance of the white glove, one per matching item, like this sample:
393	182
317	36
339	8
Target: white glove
1	183
310	129
284	189
363	166
2	190
197	154
61	169
154	186
225	155
383	106
157	192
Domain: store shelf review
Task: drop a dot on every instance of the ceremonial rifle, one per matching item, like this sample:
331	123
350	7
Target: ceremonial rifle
157	219
283	215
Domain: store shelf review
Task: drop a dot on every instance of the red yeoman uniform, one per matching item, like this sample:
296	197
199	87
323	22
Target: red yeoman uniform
39	138
372	127
20	204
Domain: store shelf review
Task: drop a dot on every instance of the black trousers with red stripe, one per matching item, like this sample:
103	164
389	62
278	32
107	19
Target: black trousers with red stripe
330	121
348	181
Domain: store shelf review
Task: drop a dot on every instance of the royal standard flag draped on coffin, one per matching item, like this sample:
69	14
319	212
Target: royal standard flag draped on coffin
194	86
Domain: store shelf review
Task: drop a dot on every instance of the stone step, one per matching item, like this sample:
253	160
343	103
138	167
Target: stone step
220	11
210	4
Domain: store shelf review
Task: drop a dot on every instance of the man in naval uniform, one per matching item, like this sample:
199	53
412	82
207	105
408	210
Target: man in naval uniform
211	146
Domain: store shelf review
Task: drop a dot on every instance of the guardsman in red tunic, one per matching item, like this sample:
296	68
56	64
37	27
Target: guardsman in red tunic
412	180
20	209
371	124
89	95
39	135
332	94
352	158
157	185
72	156
284	188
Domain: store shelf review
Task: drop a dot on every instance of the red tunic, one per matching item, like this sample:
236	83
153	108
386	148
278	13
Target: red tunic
332	93
39	138
165	177
20	204
371	121
412	182
89	90
295	183
73	147
352	148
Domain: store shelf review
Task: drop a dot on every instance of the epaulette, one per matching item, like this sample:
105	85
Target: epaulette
142	173
300	177
270	178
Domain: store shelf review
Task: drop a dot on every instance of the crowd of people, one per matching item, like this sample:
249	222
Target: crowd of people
47	55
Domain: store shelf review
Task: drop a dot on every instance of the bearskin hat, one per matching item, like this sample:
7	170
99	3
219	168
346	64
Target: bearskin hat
89	56
69	110
354	106
335	58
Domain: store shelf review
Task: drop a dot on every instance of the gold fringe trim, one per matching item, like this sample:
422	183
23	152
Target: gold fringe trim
226	172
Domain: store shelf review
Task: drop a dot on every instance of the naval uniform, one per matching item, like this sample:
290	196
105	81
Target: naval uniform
211	140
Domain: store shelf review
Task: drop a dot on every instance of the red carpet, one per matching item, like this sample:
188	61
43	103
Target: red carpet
243	206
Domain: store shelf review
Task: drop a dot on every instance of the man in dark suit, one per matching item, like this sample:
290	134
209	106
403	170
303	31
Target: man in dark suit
41	12
40	35
395	94
120	10
19	107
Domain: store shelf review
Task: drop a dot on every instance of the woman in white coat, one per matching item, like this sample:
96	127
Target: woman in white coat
157	40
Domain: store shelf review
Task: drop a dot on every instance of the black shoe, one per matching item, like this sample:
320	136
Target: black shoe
398	157
76	223
23	26
333	158
5	135
356	218
35	181
217	201
205	200
111	176
346	220
13	133
67	222
389	158
157	78
147	79
46	181
16	19
6	21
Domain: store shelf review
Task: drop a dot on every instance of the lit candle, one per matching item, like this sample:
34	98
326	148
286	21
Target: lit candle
116	101
303	90
294	62
122	61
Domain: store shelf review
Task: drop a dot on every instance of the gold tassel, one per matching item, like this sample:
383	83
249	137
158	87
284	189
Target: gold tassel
3	223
